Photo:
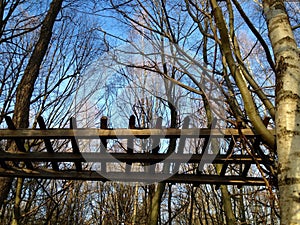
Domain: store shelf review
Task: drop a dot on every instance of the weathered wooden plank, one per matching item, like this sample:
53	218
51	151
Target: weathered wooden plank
156	140
103	145
225	165
19	142
206	143
181	144
130	142
75	147
155	144
90	133
47	141
123	157
131	177
11	126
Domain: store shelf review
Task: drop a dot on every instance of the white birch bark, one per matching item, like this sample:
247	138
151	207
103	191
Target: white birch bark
287	60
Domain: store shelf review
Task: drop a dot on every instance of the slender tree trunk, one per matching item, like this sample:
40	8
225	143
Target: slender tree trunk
26	86
5	184
170	204
18	199
118	218
226	200
135	204
287	58
155	203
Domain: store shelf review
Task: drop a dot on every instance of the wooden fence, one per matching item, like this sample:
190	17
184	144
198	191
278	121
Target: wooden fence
51	162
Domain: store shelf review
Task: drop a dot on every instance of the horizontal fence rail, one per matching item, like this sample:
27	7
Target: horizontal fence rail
132	177
88	133
130	158
76	163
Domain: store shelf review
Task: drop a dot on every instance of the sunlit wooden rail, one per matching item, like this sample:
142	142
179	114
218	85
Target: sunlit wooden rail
51	164
129	158
90	133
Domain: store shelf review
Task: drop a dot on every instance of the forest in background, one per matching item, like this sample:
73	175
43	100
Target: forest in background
237	61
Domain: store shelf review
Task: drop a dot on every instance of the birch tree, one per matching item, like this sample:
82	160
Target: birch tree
287	58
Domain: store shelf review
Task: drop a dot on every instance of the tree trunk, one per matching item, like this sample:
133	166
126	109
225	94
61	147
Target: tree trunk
18	199
155	204
135	204
26	86
249	103
226	198
287	58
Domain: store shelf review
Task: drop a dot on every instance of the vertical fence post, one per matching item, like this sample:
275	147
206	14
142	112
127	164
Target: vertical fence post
75	147
206	144
181	144
130	144
103	145
156	143
19	142
47	142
